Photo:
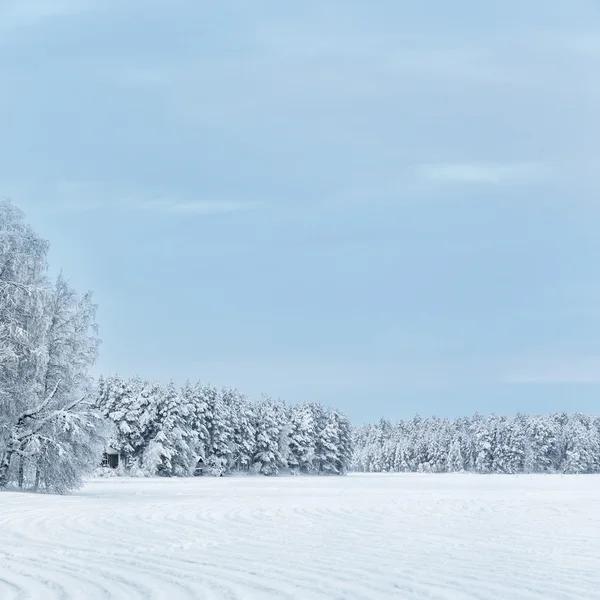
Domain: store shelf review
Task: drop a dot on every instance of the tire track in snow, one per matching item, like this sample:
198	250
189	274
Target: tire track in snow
362	537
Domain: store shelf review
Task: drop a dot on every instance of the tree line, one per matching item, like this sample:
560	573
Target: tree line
555	443
165	430
55	423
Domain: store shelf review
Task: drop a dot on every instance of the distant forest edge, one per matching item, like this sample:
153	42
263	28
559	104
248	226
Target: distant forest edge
555	443
162	430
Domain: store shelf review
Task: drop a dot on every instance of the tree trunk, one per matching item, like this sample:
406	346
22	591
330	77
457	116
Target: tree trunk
4	467
21	472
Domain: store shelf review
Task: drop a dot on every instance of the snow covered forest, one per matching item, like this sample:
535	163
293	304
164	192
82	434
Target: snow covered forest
556	443
56	423
162	430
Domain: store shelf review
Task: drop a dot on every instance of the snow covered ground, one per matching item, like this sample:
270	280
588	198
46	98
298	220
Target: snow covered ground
362	536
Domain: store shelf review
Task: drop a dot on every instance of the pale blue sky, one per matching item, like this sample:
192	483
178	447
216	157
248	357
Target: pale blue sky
391	207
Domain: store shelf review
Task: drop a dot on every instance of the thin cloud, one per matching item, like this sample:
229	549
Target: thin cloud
556	371
583	44
96	196
477	173
189	207
17	13
88	196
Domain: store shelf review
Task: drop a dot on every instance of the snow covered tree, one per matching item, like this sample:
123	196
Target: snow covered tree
329	455
202	420
268	459
483	431
333	450
173	450
132	406
116	401
74	433
510	445
438	445
197	417
243	434
23	293
345	445
218	424
303	439
582	446
542	453
455	462
50	434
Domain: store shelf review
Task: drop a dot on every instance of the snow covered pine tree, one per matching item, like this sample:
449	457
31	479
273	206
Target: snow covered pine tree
50	437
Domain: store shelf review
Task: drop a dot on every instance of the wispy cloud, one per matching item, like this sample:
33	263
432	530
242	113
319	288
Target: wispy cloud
172	207
557	370
584	44
83	196
187	207
481	173
87	196
15	14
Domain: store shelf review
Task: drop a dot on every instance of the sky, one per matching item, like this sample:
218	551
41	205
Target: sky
390	208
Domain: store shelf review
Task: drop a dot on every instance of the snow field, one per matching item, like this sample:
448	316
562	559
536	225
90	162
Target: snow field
452	537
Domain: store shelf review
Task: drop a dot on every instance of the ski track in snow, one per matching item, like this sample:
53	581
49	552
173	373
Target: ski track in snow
452	537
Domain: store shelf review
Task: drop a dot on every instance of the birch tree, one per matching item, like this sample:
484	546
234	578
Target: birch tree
50	436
